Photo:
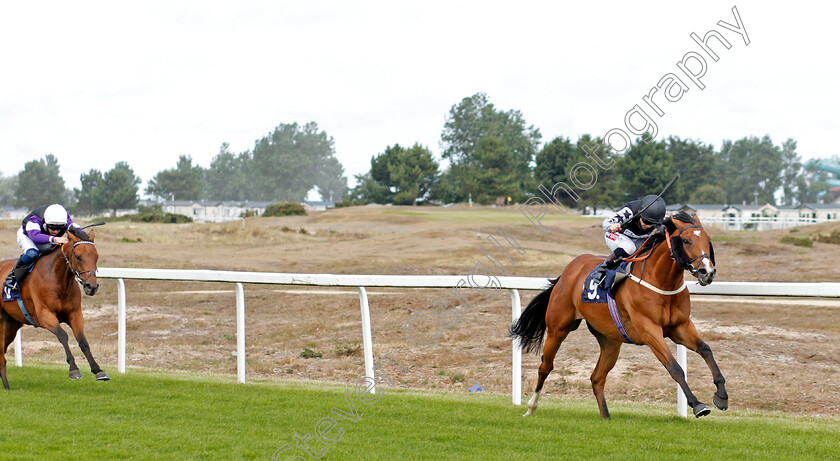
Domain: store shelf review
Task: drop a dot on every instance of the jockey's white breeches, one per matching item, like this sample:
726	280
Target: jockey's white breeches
616	240
26	243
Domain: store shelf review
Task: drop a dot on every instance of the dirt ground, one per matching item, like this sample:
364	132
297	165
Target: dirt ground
775	356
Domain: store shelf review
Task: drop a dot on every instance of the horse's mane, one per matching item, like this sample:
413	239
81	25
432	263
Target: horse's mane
676	243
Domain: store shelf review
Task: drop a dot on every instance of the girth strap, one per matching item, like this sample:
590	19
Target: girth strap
26	312
617	319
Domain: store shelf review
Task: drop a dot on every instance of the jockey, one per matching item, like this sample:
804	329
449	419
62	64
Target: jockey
41	229
628	229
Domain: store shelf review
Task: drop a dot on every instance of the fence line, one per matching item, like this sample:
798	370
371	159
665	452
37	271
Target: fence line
360	282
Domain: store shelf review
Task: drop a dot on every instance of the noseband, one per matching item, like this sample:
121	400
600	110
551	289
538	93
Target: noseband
689	266
78	274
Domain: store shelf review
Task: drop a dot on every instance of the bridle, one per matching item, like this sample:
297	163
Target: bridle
77	273
689	266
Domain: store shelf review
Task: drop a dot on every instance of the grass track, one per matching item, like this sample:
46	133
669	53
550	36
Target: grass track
154	415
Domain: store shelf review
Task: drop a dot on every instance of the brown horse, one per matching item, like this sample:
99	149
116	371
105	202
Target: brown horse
51	295
649	314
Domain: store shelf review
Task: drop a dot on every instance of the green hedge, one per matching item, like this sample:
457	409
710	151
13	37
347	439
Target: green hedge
284	209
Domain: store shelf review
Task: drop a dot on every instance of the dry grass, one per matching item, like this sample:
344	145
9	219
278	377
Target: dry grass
774	356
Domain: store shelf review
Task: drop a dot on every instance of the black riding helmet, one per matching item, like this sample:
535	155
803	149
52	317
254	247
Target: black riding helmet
653	209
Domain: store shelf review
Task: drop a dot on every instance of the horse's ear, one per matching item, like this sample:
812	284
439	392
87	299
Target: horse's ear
72	237
90	235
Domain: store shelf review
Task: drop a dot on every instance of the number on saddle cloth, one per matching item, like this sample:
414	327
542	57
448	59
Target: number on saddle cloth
595	293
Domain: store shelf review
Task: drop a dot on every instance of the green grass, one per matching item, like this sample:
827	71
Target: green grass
154	415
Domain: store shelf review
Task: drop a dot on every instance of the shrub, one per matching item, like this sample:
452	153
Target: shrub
285	209
832	237
310	354
344	204
800	242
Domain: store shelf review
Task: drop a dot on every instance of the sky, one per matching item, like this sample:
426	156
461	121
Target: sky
95	83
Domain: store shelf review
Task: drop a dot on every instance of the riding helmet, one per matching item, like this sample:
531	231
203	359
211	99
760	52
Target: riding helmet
654	209
55	214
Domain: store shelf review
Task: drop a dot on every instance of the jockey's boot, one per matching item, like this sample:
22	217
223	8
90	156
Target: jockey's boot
17	275
612	261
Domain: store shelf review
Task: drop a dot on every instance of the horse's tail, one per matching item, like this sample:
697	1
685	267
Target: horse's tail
530	327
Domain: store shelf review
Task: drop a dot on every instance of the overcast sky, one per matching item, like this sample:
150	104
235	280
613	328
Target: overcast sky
95	83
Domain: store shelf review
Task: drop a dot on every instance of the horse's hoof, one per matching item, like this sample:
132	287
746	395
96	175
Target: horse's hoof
102	376
701	410
721	403
75	374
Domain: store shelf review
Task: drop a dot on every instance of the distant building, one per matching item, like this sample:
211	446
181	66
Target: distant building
214	211
763	217
228	210
318	205
13	212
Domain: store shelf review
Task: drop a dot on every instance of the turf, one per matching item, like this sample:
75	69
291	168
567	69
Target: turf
156	415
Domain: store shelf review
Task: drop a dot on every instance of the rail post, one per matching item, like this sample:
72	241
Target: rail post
367	340
240	333
516	367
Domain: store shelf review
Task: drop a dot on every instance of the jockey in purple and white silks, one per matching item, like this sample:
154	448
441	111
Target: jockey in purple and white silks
41	229
628	229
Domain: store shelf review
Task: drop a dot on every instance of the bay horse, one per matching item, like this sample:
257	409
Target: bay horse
51	296
649	311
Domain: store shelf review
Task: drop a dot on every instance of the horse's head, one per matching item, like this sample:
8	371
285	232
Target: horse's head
691	247
81	256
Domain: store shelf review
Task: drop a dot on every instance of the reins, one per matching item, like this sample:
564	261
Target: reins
643	254
67	259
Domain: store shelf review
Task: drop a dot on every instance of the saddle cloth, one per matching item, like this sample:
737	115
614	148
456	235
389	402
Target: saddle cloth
594	293
10	295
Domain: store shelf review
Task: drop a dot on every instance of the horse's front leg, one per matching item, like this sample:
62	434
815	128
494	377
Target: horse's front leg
652	336
686	334
77	324
50	323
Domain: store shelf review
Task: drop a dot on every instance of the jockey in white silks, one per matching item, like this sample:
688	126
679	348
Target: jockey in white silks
628	229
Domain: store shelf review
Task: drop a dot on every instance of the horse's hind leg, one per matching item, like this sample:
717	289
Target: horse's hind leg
77	324
8	330
606	361
555	336
686	334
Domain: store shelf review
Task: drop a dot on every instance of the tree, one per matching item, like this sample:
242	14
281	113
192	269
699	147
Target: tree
119	188
475	118
229	176
368	190
288	163
645	169
696	164
708	194
810	186
398	175
751	169
8	184
554	163
493	172
40	183
791	171
89	197
332	184
184	182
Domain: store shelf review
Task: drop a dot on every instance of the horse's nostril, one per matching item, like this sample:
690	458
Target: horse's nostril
701	271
